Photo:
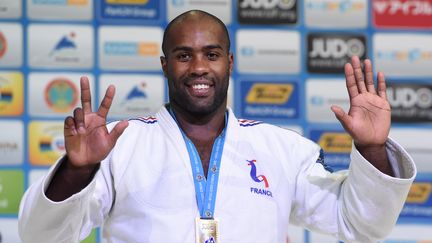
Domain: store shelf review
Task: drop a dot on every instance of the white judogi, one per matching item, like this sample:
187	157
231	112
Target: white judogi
144	192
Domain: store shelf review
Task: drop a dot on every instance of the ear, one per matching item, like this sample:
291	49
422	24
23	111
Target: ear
231	62
163	61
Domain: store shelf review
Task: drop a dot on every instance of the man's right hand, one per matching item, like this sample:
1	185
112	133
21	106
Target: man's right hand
87	142
87	139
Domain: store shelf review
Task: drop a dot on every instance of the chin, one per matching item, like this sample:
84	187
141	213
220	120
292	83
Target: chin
200	111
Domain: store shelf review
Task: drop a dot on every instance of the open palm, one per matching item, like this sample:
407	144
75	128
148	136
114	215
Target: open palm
369	117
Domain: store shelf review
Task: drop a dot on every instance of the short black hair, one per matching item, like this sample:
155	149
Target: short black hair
187	14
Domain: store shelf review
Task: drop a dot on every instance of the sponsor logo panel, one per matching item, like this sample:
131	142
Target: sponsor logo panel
60	46
136	95
267	12
269	100
409	233
295	234
130	48
414	141
10	9
36	174
60	9
410	102
92	238
230	94
11	190
11	45
9	230
130	10
328	53
11	142
295	128
219	8
55	94
268	51
418	205
403	55
336	13
315	237
11	94
336	145
46	142
402	13
318	103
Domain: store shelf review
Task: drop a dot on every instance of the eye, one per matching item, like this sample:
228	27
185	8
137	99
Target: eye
212	56
184	56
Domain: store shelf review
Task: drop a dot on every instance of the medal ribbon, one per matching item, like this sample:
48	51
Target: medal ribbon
205	190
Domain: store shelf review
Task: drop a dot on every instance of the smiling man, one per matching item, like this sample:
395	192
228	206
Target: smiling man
196	173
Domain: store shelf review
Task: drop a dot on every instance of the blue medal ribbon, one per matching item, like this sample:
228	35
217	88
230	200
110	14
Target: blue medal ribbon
205	189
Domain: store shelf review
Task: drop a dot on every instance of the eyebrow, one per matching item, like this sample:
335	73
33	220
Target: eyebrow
187	48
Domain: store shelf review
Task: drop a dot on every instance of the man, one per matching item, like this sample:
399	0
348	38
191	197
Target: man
195	173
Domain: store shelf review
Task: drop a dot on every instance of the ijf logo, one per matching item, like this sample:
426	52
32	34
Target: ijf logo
259	179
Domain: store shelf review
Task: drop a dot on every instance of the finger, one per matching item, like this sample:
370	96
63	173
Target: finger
79	120
350	81
69	127
382	87
358	73
117	131
106	102
369	76
343	118
85	95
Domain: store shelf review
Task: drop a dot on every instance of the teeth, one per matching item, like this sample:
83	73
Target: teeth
201	86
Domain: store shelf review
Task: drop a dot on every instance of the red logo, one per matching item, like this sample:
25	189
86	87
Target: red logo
3	45
402	13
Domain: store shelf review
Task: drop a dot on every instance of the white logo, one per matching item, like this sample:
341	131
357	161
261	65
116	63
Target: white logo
336	48
11	142
60	46
408	97
268	51
267	4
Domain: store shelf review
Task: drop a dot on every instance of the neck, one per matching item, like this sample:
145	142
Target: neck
200	127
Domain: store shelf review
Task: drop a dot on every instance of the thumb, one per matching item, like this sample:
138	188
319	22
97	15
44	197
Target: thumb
117	131
343	117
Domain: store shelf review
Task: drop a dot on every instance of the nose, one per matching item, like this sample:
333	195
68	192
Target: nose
199	66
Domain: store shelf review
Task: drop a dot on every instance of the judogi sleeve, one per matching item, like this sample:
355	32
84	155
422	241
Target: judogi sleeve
360	204
71	220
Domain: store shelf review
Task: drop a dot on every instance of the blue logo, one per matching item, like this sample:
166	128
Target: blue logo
177	3
137	92
65	43
247	51
317	100
210	240
259	179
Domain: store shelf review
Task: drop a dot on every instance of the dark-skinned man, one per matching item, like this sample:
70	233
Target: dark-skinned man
196	173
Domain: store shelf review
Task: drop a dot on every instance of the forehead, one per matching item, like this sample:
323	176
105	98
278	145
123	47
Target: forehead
196	33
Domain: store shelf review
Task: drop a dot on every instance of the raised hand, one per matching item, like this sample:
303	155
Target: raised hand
368	119
87	139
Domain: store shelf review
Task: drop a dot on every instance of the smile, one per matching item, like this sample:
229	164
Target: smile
200	86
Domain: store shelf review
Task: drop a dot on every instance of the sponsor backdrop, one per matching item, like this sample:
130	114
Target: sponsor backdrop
289	58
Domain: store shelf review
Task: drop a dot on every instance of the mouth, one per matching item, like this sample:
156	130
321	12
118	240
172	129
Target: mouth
200	88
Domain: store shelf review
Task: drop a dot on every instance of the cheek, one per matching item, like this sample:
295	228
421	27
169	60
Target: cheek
177	70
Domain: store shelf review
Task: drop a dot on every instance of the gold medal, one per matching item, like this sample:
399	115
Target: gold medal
206	230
